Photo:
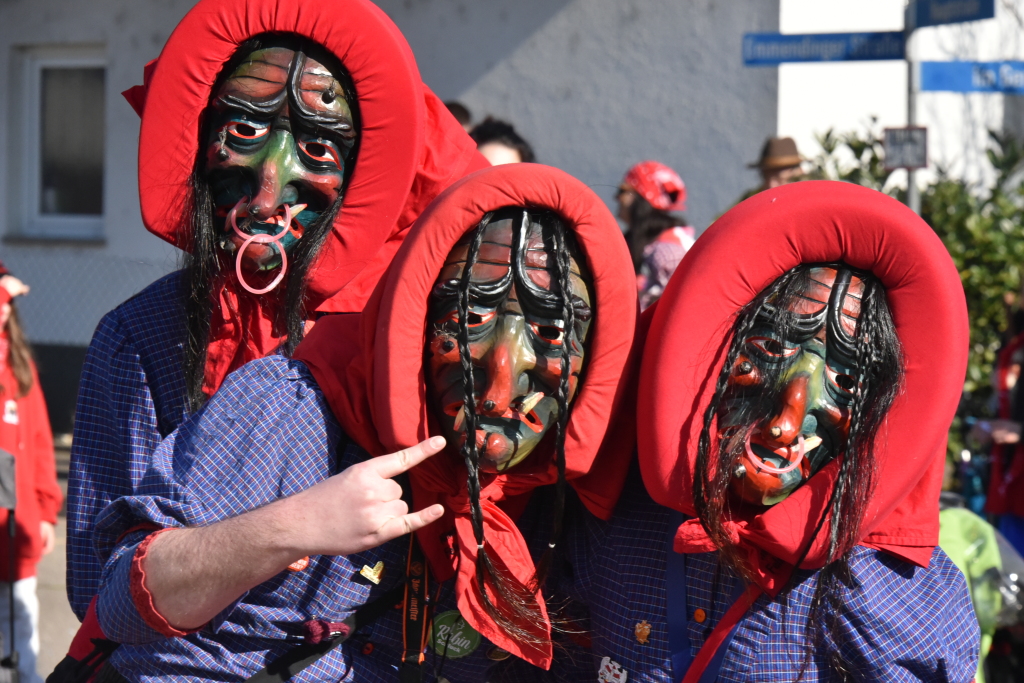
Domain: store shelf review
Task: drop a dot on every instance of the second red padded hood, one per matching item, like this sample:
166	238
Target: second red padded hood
734	260
371	369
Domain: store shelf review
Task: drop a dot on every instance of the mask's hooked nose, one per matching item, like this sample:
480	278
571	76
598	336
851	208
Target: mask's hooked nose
786	425
505	365
275	175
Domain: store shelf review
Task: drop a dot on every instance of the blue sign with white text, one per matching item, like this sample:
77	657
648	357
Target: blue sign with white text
1005	77
768	49
936	12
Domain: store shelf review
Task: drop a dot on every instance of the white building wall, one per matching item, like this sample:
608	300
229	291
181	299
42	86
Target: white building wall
73	285
595	85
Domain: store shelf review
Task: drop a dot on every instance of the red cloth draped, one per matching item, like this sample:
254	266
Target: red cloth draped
25	433
1007	471
410	148
735	259
371	368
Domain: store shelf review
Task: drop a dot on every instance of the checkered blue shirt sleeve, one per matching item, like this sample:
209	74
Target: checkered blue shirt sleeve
266	434
131	395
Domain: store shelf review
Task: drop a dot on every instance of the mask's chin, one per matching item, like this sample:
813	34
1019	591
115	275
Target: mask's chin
258	256
752	481
504	442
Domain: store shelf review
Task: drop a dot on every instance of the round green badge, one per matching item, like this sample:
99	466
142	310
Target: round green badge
452	636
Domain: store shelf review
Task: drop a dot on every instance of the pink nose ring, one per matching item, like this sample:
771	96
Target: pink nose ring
261	238
762	466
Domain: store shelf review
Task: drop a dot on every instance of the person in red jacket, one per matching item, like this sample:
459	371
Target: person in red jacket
25	433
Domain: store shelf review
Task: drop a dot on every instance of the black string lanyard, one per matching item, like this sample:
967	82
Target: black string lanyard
417	609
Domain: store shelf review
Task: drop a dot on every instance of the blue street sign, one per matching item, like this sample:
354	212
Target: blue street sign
936	12
1006	77
768	49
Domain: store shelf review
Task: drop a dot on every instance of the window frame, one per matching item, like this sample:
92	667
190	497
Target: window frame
33	224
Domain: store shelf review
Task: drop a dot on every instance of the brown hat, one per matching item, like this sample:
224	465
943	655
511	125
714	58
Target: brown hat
778	153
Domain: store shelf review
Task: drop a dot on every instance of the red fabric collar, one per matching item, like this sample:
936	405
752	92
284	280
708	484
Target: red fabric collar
737	257
370	368
410	149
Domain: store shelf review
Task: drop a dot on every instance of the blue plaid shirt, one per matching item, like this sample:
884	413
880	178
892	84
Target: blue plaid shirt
901	623
266	434
131	396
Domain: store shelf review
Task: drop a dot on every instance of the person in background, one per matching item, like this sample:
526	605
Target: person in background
25	433
500	144
780	164
461	113
649	195
1001	436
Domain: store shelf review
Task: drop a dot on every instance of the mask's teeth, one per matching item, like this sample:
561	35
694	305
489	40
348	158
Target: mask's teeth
811	443
530	402
460	418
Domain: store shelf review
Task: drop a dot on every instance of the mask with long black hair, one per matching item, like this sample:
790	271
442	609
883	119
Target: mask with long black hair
812	369
509	318
278	146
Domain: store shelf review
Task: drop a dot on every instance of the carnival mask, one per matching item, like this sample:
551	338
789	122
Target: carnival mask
791	387
281	134
516	333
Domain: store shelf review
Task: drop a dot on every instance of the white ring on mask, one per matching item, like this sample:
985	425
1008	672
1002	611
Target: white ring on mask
763	466
262	238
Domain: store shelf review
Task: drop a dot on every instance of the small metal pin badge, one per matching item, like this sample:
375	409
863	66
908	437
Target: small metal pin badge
372	574
496	654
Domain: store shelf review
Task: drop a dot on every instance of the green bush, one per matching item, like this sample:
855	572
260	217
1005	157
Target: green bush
983	229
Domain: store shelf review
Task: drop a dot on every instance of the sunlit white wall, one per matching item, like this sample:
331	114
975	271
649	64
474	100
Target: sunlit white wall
816	97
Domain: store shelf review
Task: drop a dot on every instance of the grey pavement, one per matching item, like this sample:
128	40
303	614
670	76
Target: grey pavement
57	623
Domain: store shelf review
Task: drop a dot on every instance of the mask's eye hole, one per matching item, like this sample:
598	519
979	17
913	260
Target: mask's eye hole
321	152
475	318
845	383
772	347
553	334
246	131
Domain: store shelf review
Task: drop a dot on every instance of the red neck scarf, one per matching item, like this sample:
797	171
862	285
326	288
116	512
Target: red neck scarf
736	258
370	367
410	149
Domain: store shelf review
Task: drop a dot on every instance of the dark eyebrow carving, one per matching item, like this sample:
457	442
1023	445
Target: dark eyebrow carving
337	125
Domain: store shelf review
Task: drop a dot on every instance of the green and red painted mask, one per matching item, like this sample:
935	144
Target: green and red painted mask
791	388
281	135
516	333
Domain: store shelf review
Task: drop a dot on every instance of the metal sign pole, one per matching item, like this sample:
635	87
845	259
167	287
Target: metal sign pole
913	194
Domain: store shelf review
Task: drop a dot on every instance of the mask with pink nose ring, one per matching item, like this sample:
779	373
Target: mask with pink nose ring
281	137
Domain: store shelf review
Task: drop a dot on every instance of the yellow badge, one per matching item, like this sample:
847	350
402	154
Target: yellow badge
642	631
373	573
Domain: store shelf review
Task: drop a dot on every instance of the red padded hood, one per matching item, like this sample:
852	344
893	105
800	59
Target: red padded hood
410	149
371	368
735	259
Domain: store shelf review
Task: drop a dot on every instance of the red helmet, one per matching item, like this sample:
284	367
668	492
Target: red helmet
658	184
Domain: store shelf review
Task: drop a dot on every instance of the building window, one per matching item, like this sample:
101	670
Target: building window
62	129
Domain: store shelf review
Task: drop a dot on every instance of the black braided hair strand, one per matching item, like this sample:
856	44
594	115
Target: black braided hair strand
563	264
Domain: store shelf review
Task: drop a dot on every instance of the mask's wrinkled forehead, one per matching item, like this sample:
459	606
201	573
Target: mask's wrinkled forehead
826	305
518	247
291	80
